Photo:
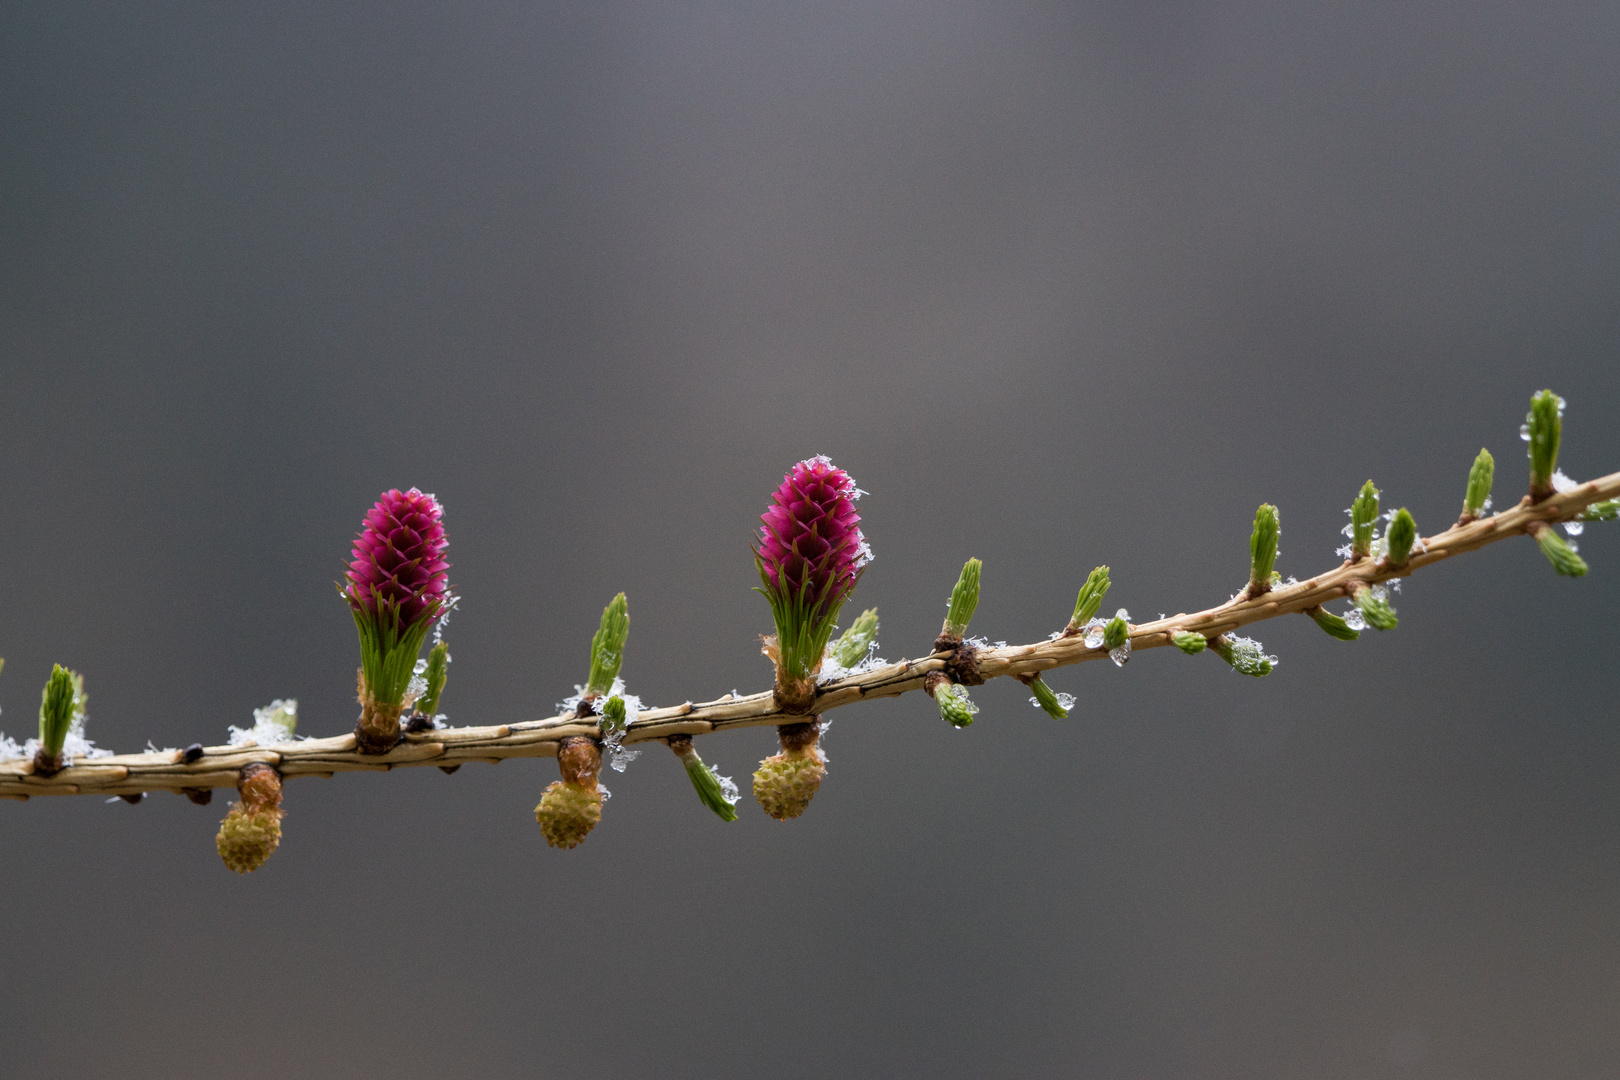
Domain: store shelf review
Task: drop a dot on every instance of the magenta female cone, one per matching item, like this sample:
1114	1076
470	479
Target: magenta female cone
398	586
810	555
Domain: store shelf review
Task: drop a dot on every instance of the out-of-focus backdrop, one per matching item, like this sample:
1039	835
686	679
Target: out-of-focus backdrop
1060	284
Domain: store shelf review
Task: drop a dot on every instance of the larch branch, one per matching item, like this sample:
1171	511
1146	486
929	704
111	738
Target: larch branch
220	766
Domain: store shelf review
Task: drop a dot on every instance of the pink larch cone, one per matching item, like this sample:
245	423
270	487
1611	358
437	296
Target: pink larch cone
398	585
810	555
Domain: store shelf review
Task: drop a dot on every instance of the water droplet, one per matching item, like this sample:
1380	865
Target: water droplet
1574	528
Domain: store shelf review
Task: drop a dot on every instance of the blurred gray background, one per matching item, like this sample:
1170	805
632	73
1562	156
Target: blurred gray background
1059	284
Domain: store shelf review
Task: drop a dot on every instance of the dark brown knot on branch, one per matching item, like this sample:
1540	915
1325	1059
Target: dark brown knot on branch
962	665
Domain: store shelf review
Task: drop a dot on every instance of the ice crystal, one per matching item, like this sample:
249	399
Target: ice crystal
570	704
418	684
452	602
1248	656
274	723
74	746
1562	483
1574	528
1121	654
832	670
618	757
1350	529
1354	619
1094	632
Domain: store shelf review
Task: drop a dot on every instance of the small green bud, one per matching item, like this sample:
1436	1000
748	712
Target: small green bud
436	675
1090	598
1560	553
964	600
1402	536
1048	700
1117	632
1374	605
607	647
1263	548
56	709
612	724
955	707
716	792
1543	430
1246	655
1363	513
710	787
1480	477
1607	510
856	642
1333	624
1188	642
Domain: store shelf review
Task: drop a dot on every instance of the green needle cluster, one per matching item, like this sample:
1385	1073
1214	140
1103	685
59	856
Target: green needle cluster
1263	548
607	647
1087	604
1332	624
1403	535
1480	477
1047	699
436	675
1363	514
1543	430
851	648
964	601
56	710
